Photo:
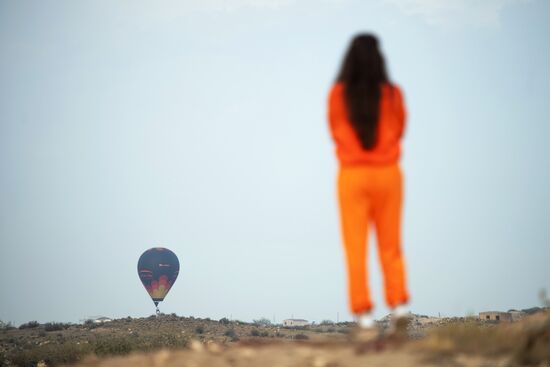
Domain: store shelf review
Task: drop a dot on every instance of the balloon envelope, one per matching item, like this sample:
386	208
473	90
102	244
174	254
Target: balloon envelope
158	269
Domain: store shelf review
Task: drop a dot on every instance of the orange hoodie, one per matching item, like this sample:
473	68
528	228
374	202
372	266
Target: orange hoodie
391	125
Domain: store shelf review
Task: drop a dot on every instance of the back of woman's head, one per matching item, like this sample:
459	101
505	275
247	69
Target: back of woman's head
362	73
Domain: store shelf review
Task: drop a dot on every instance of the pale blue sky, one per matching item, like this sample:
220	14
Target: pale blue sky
200	126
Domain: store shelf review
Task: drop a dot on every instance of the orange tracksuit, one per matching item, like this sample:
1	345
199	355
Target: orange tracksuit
370	190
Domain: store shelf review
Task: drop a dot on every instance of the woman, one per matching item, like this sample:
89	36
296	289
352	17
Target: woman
367	117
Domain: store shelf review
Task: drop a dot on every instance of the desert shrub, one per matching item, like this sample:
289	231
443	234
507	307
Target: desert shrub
29	325
262	322
42	333
224	321
6	326
110	346
230	333
301	337
254	332
160	341
330	330
327	322
199	330
533	350
90	324
55	326
264	334
469	338
346	323
53	355
67	353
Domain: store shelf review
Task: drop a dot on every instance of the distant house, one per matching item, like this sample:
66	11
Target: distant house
495	316
102	320
295	322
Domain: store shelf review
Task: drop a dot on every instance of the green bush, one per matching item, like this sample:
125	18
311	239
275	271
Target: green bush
53	355
29	325
112	346
230	333
90	324
4	326
66	352
262	322
55	326
160	341
224	321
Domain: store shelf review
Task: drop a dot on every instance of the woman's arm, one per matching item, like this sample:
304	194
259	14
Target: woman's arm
332	111
400	109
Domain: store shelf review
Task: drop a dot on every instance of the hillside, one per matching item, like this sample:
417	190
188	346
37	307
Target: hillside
169	340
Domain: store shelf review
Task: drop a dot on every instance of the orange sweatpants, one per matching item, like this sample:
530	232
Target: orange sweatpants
372	194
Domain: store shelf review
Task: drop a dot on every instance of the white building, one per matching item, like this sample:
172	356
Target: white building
495	316
295	322
102	320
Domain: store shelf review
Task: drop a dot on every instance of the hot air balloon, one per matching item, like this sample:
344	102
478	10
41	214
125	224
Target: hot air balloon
158	270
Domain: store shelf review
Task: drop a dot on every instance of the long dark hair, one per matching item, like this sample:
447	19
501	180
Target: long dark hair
363	72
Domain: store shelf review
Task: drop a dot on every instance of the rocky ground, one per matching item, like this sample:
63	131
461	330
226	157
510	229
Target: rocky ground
170	340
